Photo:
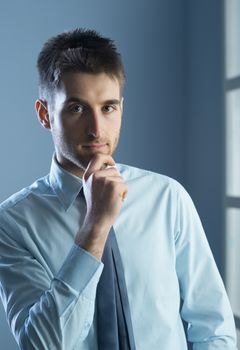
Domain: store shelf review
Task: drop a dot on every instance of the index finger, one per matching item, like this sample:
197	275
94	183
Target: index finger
98	162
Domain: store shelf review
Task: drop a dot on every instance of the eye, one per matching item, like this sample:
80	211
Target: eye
76	108
109	108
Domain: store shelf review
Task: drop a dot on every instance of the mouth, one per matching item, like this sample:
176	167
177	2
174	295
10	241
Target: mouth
94	146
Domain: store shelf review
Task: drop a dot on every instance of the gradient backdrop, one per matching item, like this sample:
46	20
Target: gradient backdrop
173	114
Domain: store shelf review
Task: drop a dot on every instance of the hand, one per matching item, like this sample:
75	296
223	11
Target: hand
104	191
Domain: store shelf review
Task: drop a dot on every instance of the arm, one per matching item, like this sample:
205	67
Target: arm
46	312
54	312
205	304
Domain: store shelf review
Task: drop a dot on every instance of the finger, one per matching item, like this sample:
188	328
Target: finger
123	190
121	186
114	179
99	161
107	172
124	195
109	166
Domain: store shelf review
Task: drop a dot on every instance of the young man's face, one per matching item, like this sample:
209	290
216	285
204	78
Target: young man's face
85	118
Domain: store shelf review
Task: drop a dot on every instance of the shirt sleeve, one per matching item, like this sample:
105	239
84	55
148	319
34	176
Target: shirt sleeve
44	312
205	306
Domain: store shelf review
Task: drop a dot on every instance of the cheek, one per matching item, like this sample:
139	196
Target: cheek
68	127
115	126
115	134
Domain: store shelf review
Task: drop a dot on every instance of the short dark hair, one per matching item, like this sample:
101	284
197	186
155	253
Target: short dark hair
77	50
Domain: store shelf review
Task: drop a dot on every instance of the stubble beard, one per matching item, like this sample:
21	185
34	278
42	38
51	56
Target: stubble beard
76	162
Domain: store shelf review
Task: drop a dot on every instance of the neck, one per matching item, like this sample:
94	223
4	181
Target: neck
70	167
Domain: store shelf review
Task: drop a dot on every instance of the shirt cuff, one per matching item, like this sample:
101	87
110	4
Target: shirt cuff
209	346
79	269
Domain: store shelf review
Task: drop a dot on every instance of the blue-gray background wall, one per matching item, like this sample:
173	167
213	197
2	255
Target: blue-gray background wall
173	115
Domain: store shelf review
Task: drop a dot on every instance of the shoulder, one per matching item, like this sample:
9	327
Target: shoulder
131	172
37	188
150	178
152	187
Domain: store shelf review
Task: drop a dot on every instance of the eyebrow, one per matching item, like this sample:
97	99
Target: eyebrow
85	103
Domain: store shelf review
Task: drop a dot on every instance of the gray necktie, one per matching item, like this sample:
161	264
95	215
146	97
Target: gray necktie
114	324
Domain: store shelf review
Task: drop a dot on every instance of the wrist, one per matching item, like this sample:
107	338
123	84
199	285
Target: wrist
92	238
98	225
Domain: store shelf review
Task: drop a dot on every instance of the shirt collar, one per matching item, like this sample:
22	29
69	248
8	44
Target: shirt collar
65	185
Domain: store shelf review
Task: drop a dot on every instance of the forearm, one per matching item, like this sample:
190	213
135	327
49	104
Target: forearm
63	312
205	307
92	237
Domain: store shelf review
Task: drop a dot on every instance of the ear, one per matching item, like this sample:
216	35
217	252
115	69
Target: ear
42	113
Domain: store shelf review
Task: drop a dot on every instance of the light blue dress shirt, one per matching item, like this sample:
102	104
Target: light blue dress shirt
48	284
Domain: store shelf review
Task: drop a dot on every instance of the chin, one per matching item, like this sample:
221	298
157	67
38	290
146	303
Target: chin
82	160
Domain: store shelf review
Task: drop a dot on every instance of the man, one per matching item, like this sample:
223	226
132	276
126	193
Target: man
99	255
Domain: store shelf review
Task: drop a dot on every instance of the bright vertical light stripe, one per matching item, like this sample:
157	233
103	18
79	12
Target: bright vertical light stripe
233	258
233	142
232	13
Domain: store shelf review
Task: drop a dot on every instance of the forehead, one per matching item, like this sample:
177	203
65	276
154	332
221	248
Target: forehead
90	87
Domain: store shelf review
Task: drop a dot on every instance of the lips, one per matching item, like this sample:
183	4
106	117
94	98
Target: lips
94	146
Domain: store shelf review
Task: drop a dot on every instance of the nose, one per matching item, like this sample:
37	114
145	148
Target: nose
93	127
